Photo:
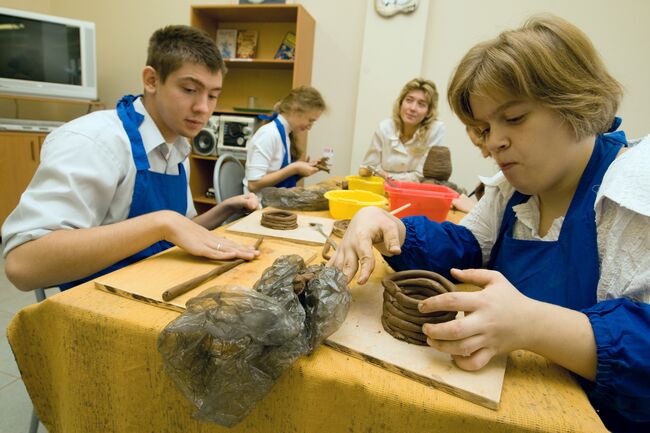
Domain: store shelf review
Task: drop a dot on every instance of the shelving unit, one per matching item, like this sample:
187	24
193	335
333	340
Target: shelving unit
265	78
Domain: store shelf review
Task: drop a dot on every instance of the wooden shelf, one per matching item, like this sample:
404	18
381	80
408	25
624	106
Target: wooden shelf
246	13
235	112
206	157
265	78
205	200
259	64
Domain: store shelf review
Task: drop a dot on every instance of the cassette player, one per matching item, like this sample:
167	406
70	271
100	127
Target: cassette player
234	133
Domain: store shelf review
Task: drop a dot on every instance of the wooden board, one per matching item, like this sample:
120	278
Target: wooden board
146	280
362	336
304	233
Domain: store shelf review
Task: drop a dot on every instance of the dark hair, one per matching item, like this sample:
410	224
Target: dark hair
172	46
548	60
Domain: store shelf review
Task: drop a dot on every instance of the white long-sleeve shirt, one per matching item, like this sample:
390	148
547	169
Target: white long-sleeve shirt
87	175
402	161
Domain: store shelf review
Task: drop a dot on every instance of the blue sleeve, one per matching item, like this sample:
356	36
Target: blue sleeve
622	331
436	247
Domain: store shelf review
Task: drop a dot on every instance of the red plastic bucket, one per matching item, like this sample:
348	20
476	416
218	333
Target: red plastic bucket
432	201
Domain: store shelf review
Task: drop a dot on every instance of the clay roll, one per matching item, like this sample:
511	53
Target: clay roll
279	220
402	293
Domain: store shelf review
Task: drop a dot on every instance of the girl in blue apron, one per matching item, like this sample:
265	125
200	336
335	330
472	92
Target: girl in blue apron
274	158
545	106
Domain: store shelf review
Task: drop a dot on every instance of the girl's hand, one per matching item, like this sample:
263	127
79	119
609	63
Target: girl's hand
304	168
244	202
498	319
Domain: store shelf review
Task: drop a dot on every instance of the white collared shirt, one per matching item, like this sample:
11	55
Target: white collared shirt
86	176
622	223
402	161
265	151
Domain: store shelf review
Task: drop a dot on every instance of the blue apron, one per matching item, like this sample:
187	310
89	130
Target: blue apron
291	181
564	272
152	191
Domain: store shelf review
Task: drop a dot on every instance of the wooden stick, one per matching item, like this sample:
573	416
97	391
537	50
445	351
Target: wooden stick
185	287
399	209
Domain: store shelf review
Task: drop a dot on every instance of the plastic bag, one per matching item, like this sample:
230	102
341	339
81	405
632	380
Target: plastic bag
227	349
311	198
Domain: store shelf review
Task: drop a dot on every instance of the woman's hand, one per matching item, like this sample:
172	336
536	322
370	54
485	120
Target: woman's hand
498	319
370	226
365	172
463	203
199	241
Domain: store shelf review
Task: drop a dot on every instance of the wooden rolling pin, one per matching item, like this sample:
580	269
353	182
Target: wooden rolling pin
185	287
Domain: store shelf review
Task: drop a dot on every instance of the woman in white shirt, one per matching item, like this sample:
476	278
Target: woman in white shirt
401	143
274	155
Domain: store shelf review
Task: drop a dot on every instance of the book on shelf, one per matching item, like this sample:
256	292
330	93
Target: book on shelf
227	42
287	48
246	44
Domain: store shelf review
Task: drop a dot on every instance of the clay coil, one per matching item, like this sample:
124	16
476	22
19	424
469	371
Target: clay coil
279	220
419	339
403	291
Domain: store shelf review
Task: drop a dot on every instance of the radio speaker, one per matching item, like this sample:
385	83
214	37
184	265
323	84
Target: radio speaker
205	142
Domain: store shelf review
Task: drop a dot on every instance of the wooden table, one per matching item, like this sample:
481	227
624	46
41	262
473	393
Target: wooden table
90	364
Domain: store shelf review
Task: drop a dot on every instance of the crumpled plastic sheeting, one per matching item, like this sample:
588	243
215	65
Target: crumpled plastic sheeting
298	198
228	348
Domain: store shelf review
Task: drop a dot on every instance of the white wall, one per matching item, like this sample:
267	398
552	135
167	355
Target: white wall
382	63
346	29
40	6
618	29
337	49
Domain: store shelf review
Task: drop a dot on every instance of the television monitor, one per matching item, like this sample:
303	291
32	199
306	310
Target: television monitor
47	56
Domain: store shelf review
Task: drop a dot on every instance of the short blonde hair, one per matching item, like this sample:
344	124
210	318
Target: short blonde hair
549	61
431	94
301	99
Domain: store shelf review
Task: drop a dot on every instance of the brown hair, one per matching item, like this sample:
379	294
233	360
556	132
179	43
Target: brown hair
302	99
549	61
431	94
172	46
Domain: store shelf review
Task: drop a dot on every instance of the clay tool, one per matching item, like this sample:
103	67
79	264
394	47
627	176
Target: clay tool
185	287
319	228
386	178
399	209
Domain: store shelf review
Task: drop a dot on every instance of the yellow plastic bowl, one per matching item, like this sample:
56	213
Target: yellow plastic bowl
370	183
345	203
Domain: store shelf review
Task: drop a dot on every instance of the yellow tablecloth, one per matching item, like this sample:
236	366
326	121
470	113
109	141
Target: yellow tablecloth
90	364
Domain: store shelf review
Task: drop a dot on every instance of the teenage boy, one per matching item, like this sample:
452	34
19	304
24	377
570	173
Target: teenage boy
112	186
